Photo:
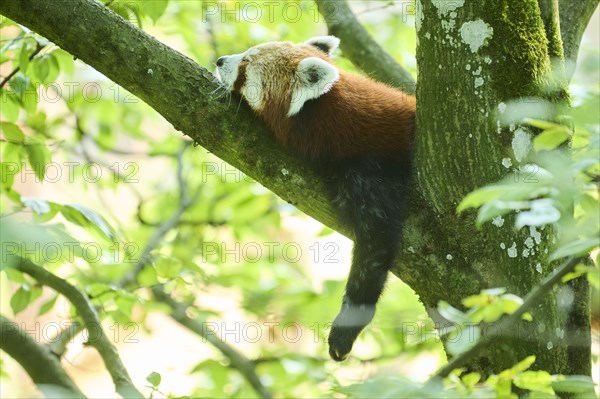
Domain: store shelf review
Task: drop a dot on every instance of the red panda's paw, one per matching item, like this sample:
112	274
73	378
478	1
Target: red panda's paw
341	340
345	329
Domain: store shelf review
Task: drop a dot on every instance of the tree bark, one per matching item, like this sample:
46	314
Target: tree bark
574	18
464	82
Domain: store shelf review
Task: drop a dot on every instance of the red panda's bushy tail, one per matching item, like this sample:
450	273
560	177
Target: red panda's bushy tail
371	195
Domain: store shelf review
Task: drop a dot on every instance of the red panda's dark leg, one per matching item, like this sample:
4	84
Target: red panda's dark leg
371	195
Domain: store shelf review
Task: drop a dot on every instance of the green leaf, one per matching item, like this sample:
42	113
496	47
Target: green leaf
154	9
26	93
37	121
471	379
574	384
39	206
46	307
550	139
12	274
65	61
527	316
575	248
535	381
168	267
12	132
147	277
510	303
449	312
481	196
85	217
154	378
24	58
42	68
20	299
10	105
8	170
594	279
39	156
523	365
544	125
19	83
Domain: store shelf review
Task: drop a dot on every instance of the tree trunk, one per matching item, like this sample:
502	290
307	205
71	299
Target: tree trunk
473	58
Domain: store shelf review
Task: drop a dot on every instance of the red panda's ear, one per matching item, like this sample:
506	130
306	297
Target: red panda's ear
314	77
324	43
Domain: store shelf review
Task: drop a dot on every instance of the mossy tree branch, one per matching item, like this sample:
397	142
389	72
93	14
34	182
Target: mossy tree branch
149	69
39	362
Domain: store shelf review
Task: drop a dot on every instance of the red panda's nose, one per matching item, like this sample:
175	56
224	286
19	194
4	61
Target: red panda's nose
221	61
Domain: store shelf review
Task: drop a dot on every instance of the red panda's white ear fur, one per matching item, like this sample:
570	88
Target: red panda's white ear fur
315	77
324	43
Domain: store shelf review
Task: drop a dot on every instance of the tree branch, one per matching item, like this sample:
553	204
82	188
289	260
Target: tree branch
43	367
149	69
123	384
240	362
360	47
574	18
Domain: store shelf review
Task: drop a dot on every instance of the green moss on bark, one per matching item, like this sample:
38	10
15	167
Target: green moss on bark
461	83
521	64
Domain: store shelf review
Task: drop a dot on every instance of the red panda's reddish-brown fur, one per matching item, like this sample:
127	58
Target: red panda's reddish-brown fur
357	116
358	133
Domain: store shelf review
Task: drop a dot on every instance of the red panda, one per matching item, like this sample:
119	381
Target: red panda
357	133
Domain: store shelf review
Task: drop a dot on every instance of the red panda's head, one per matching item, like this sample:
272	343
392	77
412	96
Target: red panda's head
281	75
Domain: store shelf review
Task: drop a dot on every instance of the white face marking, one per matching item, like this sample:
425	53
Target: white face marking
281	74
228	74
252	90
